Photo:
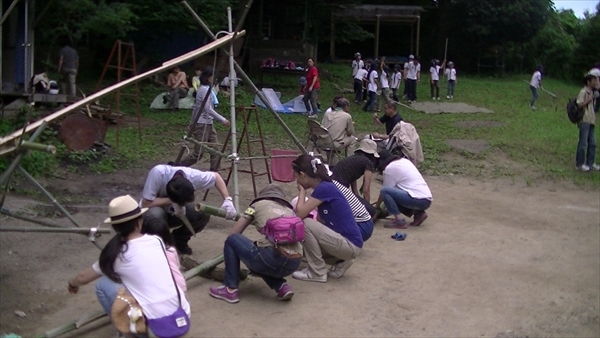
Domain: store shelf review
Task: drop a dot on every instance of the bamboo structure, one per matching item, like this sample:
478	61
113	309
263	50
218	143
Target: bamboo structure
81	231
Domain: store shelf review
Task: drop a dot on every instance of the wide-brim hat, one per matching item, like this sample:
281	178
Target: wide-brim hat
272	192
385	157
123	209
368	146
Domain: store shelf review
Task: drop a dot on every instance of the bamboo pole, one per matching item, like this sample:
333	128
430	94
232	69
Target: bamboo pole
72	326
81	231
30	219
544	90
39	146
208	265
234	146
205	147
91	98
13	165
214	211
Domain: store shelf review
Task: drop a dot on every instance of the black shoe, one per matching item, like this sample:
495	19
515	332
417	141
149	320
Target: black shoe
183	249
165	99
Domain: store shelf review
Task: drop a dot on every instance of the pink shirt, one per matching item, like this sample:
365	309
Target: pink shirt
174	265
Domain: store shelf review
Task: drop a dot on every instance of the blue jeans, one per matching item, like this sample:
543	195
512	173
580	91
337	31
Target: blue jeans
106	291
310	101
370	105
451	85
587	141
534	92
267	262
398	201
366	229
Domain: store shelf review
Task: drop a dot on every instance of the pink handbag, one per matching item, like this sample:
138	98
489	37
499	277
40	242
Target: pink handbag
284	230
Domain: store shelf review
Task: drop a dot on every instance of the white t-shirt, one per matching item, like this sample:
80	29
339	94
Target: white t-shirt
356	65
396	79
384	80
404	175
372	84
451	74
536	78
160	175
146	274
435	73
412	70
361	74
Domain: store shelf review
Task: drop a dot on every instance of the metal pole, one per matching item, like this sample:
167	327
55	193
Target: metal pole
247	80
81	231
234	147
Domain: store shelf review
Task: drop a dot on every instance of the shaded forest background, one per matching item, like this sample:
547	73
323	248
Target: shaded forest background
520	33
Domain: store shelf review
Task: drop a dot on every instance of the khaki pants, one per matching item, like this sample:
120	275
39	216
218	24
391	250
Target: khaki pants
340	146
175	95
203	133
67	85
320	240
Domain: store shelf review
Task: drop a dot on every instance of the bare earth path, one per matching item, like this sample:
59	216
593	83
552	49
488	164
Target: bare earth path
493	259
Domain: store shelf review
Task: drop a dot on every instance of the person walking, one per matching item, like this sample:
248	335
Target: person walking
311	89
68	65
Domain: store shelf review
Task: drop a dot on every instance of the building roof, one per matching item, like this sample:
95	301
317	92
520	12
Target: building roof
369	13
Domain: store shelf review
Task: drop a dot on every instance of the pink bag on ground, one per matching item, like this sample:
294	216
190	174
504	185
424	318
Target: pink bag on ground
281	168
284	230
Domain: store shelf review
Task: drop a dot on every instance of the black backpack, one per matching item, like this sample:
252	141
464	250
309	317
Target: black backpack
574	112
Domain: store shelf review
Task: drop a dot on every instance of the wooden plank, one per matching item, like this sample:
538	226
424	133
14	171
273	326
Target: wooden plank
91	98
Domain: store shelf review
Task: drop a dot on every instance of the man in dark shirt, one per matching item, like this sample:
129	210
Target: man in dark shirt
390	119
362	163
68	64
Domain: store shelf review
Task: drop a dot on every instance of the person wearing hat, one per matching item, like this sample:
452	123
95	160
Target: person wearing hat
357	64
272	263
404	190
362	164
169	194
412	74
596	72
586	147
133	261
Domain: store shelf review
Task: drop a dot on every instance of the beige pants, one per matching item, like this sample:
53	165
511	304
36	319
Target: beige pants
320	240
67	85
203	133
340	146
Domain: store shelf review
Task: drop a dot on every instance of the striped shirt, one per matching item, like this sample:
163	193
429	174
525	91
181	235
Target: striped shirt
359	211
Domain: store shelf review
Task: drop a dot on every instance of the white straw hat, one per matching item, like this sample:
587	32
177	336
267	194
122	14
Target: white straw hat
123	209
369	147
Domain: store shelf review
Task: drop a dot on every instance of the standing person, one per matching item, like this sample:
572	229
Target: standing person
412	73
178	86
385	86
357	64
338	235
270	261
404	190
372	77
451	75
396	81
169	195
434	79
136	262
586	147
534	85
359	83
68	65
312	88
204	130
196	80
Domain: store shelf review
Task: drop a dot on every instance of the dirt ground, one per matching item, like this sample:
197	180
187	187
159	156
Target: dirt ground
495	258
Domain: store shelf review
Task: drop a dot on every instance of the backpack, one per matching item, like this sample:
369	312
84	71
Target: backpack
574	112
284	230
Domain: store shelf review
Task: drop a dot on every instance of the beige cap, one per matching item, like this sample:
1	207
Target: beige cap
369	147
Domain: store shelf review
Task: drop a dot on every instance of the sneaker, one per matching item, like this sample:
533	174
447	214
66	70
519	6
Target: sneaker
313	116
595	167
339	268
285	292
451	96
306	275
183	249
533	108
221	292
433	98
584	168
438	98
448	97
396	224
419	218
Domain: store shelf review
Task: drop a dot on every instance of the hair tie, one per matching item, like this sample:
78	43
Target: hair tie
314	162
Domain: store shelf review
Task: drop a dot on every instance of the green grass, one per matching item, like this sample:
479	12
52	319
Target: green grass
541	143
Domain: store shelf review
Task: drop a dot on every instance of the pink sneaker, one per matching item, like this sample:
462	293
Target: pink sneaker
221	292
285	292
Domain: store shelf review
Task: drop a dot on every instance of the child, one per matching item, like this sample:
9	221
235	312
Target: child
385	86
359	83
372	88
161	229
396	81
534	84
196	80
434	72
451	75
272	263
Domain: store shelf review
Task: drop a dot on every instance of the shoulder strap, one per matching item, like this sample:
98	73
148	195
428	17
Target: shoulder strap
172	277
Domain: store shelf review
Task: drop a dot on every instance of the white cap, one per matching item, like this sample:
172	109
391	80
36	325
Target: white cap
595	72
411	56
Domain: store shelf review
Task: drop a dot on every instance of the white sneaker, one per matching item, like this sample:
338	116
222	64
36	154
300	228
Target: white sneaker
438	98
584	168
451	96
306	275
448	97
339	268
595	167
433	98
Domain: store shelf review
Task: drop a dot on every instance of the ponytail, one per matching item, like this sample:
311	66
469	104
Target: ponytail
116	246
313	167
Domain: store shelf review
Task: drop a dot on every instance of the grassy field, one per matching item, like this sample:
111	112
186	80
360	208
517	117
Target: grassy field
542	143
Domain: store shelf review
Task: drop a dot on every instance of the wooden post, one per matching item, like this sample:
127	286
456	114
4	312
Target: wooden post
377	36
418	33
332	38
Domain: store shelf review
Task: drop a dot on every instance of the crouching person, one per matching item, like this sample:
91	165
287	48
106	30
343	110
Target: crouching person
338	235
271	262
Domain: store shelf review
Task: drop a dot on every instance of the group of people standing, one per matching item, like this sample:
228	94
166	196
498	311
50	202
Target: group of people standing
374	75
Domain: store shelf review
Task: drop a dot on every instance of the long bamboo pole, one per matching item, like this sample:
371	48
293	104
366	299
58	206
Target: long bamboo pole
91	98
234	146
7	173
30	219
39	146
81	231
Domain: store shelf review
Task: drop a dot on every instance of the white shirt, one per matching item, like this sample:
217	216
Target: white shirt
435	73
384	80
356	65
396	79
160	175
361	74
404	175
536	78
146	274
451	74
372	84
412	70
